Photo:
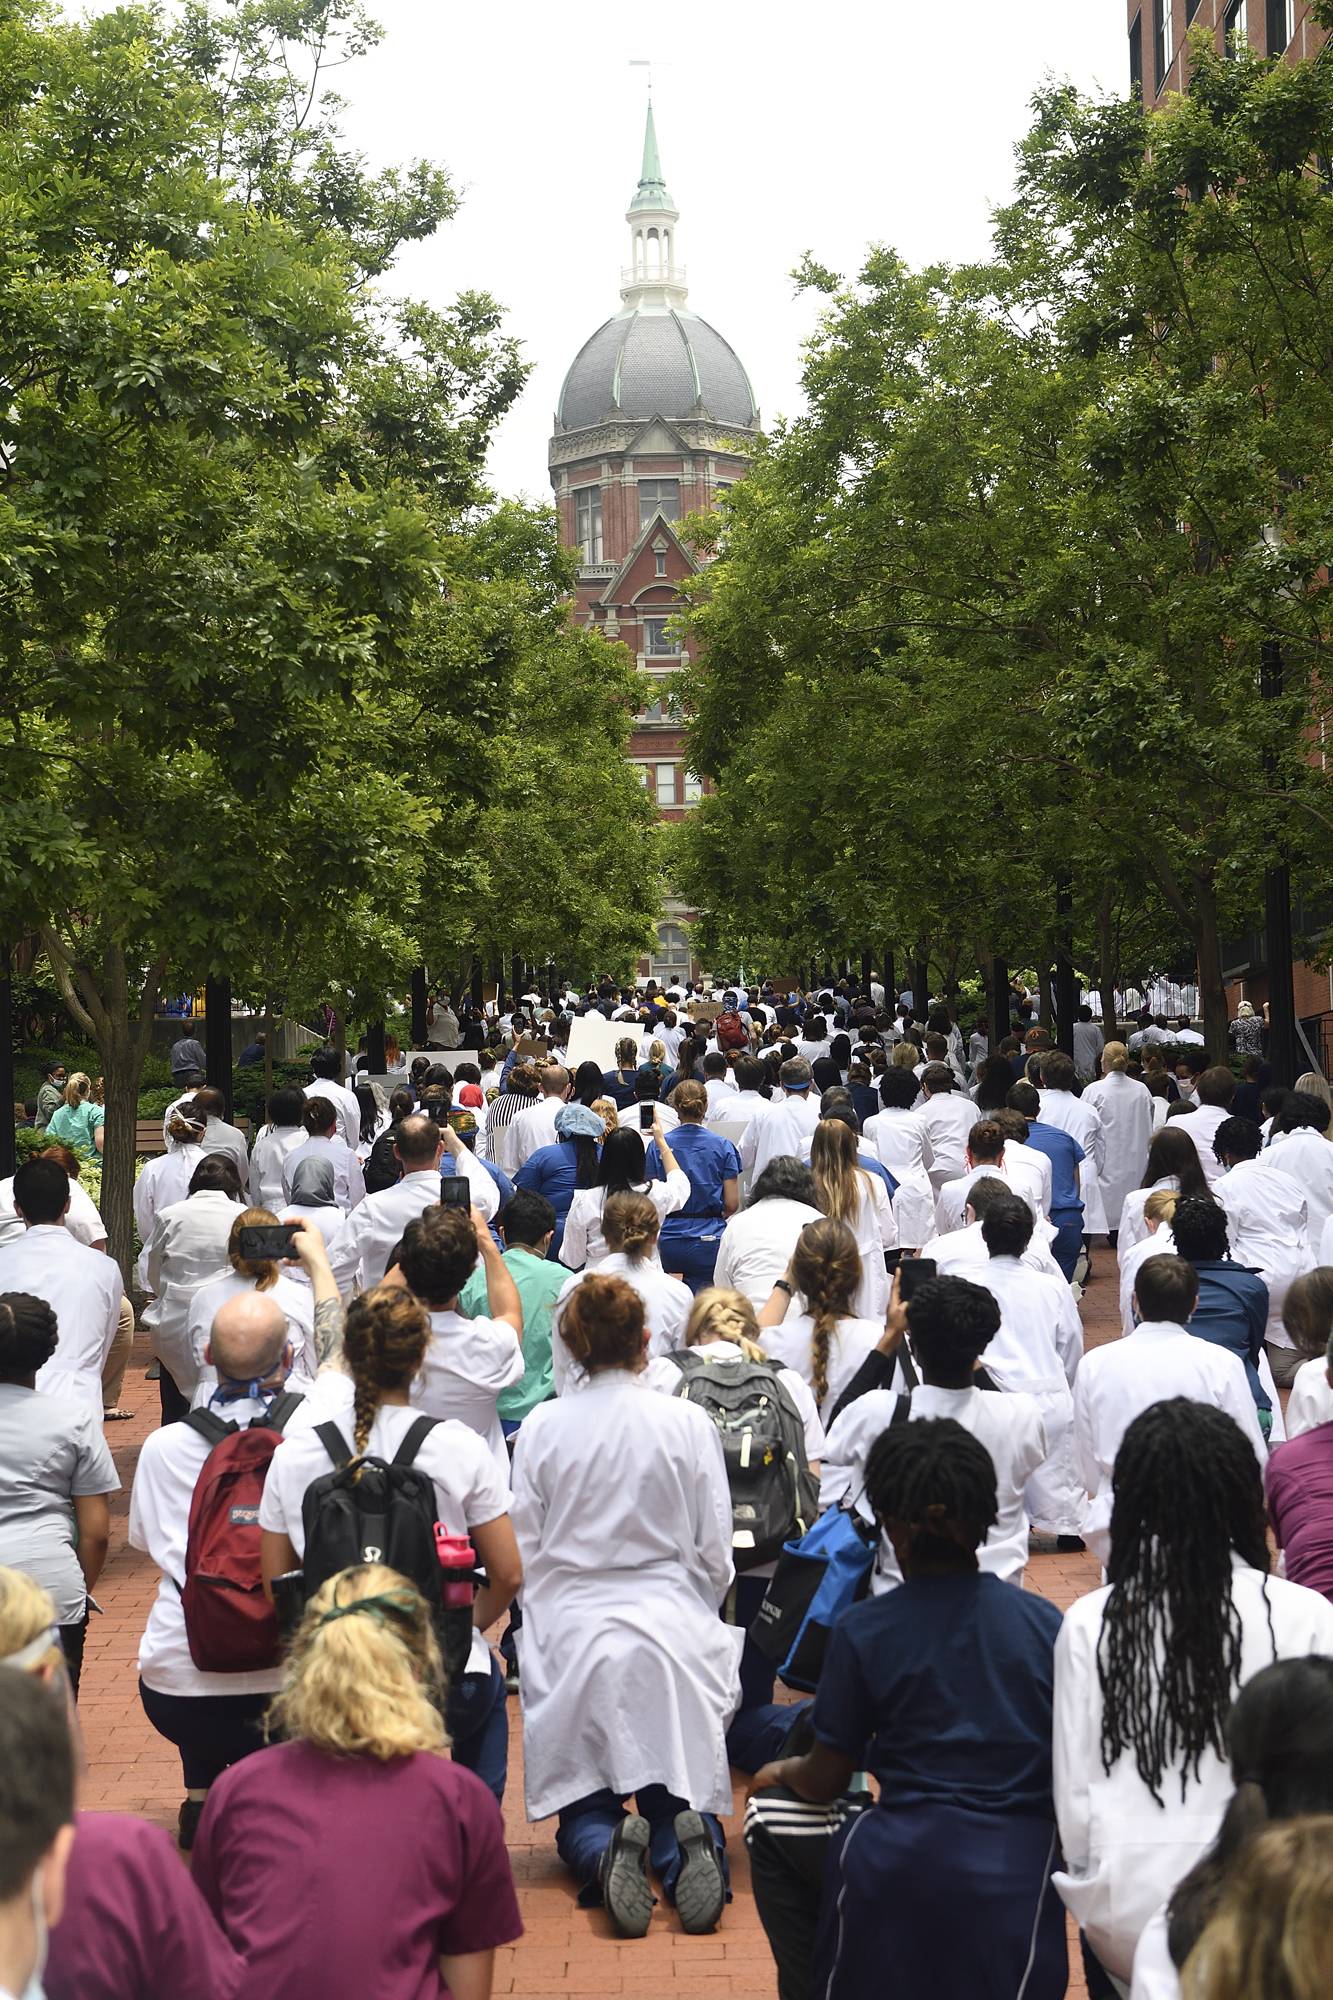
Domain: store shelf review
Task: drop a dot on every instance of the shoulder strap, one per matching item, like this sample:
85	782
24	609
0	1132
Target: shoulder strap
905	1362
334	1443
210	1426
902	1410
688	1362
412	1443
280	1409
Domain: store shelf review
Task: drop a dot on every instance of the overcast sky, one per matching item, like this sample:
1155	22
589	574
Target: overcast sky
783	128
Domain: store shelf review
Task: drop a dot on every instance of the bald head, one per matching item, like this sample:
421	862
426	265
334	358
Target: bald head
555	1081
248	1339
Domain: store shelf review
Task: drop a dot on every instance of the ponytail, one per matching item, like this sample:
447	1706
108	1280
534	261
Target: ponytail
385	1339
826	1266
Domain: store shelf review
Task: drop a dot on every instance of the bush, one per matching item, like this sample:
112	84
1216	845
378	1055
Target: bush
30	1065
248	1099
152	1103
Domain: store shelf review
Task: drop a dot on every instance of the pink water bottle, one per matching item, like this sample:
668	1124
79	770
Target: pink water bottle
457	1559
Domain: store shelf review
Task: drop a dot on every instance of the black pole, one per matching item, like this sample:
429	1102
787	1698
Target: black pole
890	983
418	1006
1065	997
476	984
517	980
1277	911
920	986
867	971
8	1142
999	1002
217	1036
376	1060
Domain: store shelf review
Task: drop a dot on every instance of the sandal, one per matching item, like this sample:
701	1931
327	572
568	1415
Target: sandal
117	1416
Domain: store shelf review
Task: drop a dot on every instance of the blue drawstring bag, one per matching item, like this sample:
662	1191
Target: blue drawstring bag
816	1579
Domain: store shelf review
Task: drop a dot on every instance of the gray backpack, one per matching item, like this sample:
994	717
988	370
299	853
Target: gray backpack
774	1494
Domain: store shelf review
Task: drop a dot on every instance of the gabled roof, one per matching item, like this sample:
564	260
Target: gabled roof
659	436
657	526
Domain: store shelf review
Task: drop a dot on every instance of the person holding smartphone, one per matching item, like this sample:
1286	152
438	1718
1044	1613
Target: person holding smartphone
621	1169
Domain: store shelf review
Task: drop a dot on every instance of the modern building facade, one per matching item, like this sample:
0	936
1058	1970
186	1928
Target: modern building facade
655	419
1157	31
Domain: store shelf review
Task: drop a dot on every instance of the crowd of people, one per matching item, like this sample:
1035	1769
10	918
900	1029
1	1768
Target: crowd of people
747	1348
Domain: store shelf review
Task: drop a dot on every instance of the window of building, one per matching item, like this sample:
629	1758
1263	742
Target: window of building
693	791
1163	40
666	784
1234	26
659	562
1281	25
671	960
658	496
658	640
588	521
1136	56
1191	9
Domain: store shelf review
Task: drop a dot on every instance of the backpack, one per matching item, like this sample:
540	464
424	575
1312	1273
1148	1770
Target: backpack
774	1494
230	1625
731	1030
369	1510
816	1579
382	1169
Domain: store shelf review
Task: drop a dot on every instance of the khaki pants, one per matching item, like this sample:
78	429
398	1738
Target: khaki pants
1284	1361
113	1372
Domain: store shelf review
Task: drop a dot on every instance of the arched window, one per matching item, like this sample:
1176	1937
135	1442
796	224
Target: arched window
671	960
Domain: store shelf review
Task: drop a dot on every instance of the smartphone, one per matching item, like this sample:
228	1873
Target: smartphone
289	1601
914	1271
266	1242
647	1113
455	1191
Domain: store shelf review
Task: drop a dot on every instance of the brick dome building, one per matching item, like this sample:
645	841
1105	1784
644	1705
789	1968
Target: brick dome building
655	418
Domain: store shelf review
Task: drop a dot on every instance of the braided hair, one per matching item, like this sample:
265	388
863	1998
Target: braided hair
933	1475
826	1265
1187	1493
384	1344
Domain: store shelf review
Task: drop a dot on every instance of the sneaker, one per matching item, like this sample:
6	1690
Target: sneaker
701	1890
187	1823
624	1877
1069	1545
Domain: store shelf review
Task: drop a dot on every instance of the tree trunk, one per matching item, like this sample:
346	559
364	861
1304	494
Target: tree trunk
1212	988
268	1050
340	1039
122	1066
1106	965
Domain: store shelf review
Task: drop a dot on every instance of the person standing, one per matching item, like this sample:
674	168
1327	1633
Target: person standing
1124	1107
692	1234
50	1094
527	1224
81	1286
79	1121
1089	1042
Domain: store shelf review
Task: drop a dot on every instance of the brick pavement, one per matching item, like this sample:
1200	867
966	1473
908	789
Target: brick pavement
565	1951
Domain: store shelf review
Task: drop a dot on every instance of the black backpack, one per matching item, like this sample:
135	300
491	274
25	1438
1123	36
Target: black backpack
372	1510
774	1494
383	1169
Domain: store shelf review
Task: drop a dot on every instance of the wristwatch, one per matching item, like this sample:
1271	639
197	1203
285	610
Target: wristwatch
781	1285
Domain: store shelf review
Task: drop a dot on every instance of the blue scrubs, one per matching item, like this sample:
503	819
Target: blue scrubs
691	1236
1066	1157
944	1689
552	1171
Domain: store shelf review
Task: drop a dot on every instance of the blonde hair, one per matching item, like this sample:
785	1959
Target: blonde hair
1272	1938
720	1314
1314	1085
1115	1056
631	1225
364	1676
263	1270
1161	1205
837	1176
26	1612
77	1089
656	1054
826	1266
607	1110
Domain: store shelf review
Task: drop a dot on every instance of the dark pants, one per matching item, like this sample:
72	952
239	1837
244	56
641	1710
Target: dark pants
211	1731
1095	1973
1068	1240
586	1827
474	1715
71	1645
788	1842
760	1725
693	1255
174	1407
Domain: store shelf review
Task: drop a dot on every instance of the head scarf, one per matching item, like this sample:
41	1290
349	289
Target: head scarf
312	1183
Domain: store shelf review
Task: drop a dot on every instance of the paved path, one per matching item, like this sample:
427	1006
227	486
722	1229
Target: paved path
566	1951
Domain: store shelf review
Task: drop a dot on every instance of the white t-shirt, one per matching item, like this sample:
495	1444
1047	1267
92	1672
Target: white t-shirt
469	1488
51	1451
468	1364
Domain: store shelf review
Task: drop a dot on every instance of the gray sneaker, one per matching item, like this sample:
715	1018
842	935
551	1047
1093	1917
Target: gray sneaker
701	1890
624	1875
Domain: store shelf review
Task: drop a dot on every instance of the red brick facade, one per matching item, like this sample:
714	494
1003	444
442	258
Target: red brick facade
1157	31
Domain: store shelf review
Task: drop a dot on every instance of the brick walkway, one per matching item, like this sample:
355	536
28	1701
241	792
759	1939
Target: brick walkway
566	1951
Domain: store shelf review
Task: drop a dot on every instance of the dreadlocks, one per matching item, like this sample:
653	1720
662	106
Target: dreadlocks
934	1475
1187	1492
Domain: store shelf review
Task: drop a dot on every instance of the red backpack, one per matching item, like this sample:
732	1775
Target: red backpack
731	1030
229	1623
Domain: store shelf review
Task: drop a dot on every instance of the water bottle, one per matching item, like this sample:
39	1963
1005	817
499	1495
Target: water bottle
457	1560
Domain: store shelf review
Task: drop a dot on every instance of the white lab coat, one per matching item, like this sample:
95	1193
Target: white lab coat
875	1232
160	1183
1158	1242
791	1345
1308	1157
584	1243
349	1185
959	1253
297	1304
359	1253
532	1129
1082	1120
951	1201
903	1145
468	1366
344	1102
1122	1851
1029	1162
83	1289
1133	1222
1202	1124
267	1158
785	1128
667	1304
188	1251
1010	1427
1116	1383
81	1218
1311	1401
624	1523
948	1118
1038	1349
1155	1975
757	1244
1268	1229
1089	1042
735	1111
1125	1108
